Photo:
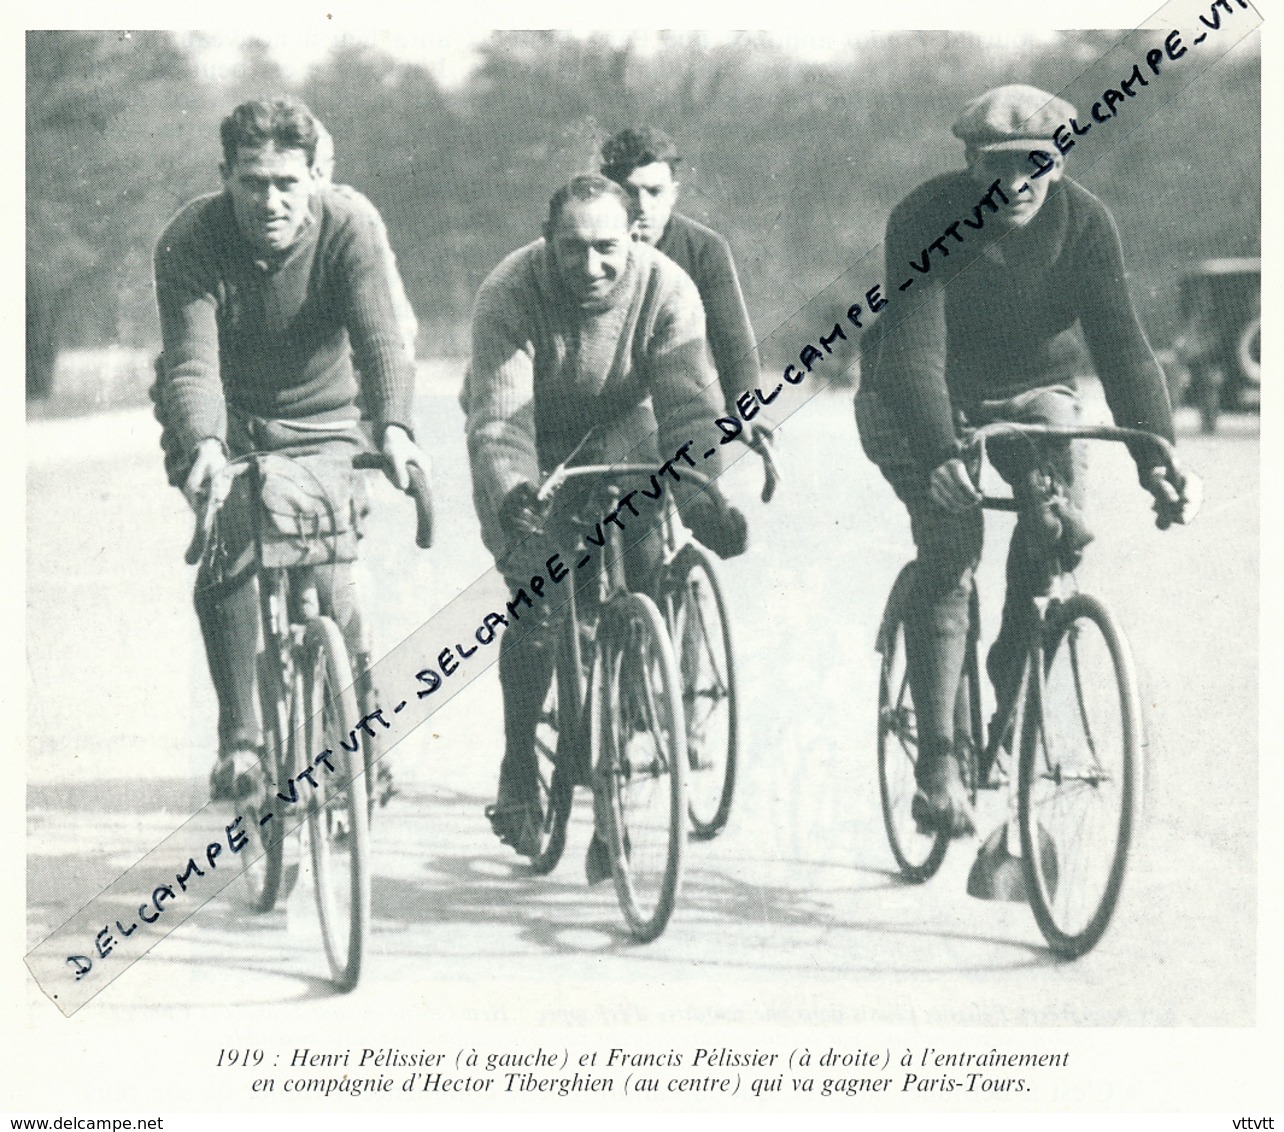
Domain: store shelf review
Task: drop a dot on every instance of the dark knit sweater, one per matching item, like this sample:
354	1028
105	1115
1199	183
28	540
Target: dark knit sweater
275	338
705	256
980	324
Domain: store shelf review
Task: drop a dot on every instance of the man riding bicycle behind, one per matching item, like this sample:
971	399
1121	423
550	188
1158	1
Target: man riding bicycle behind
643	161
582	342
1002	258
267	292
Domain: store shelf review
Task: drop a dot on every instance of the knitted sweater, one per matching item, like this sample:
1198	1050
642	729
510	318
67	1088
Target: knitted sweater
704	255
544	372
275	338
981	323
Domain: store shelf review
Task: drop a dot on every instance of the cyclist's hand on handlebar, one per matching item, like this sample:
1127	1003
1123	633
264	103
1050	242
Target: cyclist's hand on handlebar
1177	492
521	514
951	488
399	451
208	459
721	527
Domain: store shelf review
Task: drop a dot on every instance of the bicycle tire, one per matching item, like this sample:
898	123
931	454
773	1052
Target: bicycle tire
555	778
700	631
1079	776
338	832
262	859
918	855
638	748
366	704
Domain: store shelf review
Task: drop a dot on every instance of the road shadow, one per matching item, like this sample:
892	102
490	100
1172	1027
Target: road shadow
497	895
444	887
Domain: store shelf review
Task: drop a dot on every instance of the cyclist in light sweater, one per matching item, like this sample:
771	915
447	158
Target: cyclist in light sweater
582	342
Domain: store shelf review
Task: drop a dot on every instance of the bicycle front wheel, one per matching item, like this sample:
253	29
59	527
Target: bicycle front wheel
918	855
262	859
1079	776
555	779
337	814
638	746
701	636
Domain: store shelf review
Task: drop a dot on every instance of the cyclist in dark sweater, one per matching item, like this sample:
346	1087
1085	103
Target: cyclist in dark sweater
996	262
643	161
267	291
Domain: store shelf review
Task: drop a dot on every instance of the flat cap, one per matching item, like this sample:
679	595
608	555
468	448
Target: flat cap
1012	117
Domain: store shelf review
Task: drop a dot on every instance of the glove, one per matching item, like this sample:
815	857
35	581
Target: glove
717	524
520	514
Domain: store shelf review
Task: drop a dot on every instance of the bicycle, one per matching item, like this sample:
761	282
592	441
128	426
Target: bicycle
695	612
1074	721
311	715
612	720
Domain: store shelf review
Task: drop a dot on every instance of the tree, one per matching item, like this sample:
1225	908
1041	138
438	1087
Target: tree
118	131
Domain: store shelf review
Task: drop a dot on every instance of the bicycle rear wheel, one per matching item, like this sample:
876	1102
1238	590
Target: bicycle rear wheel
556	780
337	814
638	747
701	636
917	854
1079	776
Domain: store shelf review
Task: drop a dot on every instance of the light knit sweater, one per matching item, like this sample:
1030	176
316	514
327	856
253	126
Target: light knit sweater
544	372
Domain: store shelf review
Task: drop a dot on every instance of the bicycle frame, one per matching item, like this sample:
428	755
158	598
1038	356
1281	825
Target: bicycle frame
992	757
288	599
573	665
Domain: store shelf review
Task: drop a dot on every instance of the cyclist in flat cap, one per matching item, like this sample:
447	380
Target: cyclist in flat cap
975	340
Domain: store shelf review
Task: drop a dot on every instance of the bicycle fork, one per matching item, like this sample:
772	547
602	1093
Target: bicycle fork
999	873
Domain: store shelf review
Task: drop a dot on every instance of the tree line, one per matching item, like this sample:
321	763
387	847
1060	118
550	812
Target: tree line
797	163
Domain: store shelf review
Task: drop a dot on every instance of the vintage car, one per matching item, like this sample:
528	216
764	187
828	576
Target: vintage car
1215	361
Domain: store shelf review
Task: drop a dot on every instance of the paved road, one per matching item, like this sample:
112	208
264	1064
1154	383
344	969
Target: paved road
795	915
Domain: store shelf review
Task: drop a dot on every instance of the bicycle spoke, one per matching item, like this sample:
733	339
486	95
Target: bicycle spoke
637	742
1078	767
701	642
918	855
554	762
337	808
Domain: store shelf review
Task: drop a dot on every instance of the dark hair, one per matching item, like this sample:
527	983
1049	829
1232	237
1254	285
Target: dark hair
283	121
637	146
587	186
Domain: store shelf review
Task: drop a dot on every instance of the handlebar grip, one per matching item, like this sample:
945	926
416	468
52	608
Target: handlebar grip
418	490
422	496
763	444
201	533
192	555
770	477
